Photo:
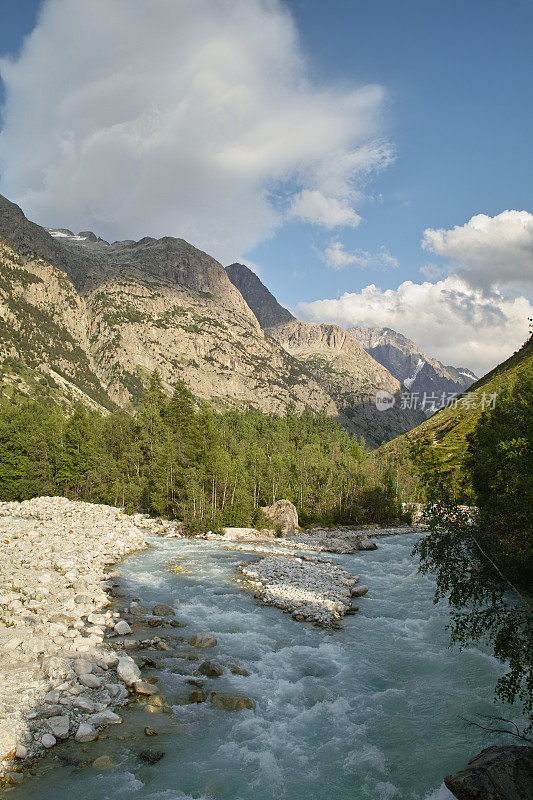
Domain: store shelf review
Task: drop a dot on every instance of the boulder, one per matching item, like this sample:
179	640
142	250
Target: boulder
162	610
59	726
230	702
47	740
359	591
103	762
85	733
142	687
283	515
102	718
202	640
197	696
151	756
236	670
128	671
122	628
497	773
210	669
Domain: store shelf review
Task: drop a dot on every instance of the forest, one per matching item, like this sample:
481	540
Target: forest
179	459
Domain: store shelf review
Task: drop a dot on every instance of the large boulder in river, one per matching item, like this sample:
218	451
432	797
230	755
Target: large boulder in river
497	773
283	515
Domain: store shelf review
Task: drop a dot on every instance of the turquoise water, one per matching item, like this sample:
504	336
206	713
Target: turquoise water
369	712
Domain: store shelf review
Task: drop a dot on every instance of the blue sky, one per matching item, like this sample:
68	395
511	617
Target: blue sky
438	93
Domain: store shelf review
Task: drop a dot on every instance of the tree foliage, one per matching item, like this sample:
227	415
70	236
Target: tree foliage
483	557
181	460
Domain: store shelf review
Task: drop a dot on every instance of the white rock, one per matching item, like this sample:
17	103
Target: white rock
82	666
128	671
59	726
122	627
85	733
47	740
104	718
91	681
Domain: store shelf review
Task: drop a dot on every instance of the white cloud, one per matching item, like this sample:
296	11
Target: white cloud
313	206
337	257
448	319
488	251
195	118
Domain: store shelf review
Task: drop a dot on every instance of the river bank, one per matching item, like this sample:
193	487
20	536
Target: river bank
67	634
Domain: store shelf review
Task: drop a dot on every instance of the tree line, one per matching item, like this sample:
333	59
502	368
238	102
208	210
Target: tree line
178	459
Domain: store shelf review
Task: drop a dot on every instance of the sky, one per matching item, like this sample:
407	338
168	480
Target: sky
370	161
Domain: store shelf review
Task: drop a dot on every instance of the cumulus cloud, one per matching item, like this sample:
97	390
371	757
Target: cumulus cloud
195	118
488	251
337	257
313	206
448	319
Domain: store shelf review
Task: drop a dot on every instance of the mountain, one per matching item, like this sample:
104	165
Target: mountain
421	375
333	357
84	319
268	311
448	428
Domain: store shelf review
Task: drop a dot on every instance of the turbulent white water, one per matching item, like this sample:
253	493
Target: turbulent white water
369	712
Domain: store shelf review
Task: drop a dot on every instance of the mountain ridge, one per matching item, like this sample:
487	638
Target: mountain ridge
103	316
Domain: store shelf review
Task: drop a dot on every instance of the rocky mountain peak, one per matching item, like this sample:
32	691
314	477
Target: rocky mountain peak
266	308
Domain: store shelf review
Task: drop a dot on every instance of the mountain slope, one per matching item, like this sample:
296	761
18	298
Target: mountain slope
420	374
448	428
154	304
93	319
335	359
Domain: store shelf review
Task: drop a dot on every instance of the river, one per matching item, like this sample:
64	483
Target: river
369	712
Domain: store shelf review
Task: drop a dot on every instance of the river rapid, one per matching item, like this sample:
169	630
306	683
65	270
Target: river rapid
372	711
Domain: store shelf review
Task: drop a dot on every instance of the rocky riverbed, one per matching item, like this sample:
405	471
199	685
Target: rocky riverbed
310	589
63	670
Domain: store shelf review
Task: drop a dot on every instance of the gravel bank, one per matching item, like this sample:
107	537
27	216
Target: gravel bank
310	589
58	675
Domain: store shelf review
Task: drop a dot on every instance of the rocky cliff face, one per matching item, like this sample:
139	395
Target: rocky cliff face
93	319
268	311
335	359
105	315
418	373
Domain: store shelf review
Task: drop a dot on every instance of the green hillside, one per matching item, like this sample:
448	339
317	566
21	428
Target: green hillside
449	428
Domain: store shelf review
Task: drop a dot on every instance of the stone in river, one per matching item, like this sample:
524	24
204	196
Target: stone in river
150	731
162	610
236	670
210	669
142	687
151	756
497	773
102	718
359	591
47	740
103	762
128	671
85	733
202	640
122	627
197	696
231	702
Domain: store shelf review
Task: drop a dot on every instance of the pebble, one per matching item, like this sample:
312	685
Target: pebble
53	575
